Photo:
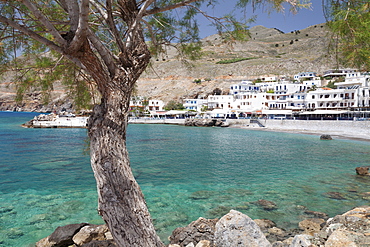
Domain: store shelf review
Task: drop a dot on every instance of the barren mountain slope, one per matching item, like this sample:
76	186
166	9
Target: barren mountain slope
273	53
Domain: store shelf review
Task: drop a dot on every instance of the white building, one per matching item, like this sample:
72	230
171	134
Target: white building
195	104
247	98
338	73
155	105
138	103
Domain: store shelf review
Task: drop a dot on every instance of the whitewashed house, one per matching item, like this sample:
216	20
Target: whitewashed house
155	105
195	104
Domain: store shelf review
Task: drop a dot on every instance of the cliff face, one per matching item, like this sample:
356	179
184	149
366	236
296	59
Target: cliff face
269	52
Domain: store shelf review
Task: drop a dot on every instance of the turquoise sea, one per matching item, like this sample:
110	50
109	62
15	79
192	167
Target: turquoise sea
185	173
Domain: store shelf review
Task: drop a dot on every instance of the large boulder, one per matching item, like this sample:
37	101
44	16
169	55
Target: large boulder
326	137
311	226
83	234
342	238
89	233
301	241
201	229
62	236
349	229
237	229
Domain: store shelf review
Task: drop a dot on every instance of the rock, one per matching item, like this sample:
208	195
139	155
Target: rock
62	236
311	226
266	205
190	245
201	229
326	137
276	231
349	229
316	214
335	195
100	243
89	233
218	211
200	122
278	244
201	194
204	243
301	241
264	224
237	229
14	233
340	238
363	170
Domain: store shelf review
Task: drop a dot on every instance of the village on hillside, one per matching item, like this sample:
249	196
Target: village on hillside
340	94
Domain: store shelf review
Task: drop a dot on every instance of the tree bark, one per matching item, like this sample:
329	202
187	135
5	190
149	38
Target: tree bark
121	202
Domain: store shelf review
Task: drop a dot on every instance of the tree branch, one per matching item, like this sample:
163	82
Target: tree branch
39	38
82	29
112	26
137	20
169	7
45	22
31	34
73	12
104	52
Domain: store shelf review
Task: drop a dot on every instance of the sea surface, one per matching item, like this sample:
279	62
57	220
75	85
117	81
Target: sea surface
185	173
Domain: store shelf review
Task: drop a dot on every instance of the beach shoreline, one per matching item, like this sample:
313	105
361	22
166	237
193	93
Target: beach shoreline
350	130
333	134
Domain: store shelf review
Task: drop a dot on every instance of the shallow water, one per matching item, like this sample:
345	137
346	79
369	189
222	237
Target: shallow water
185	173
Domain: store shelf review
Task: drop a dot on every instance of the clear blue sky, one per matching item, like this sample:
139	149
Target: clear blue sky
286	21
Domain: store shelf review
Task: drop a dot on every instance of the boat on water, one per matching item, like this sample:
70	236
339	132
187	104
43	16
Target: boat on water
57	121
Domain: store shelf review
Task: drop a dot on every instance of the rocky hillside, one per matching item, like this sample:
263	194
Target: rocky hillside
269	52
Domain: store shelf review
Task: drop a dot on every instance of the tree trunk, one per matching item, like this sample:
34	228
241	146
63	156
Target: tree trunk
121	202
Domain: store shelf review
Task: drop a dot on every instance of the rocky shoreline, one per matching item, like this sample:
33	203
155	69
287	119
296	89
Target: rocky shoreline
316	229
237	229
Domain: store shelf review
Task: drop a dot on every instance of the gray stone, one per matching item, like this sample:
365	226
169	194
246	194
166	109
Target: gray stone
89	233
204	243
100	243
301	241
201	229
237	229
326	137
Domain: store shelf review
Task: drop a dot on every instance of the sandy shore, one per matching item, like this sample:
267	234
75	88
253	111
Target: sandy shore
335	134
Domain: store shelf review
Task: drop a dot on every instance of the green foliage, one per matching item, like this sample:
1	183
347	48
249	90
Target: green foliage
270	91
331	85
350	22
41	72
312	88
258	80
173	105
204	108
234	60
193	51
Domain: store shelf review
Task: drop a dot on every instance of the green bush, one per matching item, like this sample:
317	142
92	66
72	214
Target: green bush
234	60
